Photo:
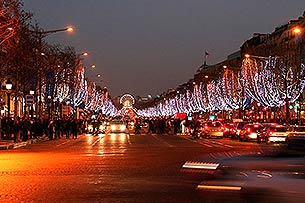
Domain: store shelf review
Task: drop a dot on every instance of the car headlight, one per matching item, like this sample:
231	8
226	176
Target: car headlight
113	127
90	127
122	127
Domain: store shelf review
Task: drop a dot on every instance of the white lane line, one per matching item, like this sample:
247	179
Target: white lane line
96	141
204	144
226	145
128	139
195	141
164	142
220	143
63	143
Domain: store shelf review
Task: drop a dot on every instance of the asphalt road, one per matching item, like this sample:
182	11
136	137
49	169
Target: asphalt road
112	168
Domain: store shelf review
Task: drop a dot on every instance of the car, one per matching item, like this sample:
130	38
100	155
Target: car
250	132
252	177
96	127
117	127
296	137
239	126
273	133
230	130
213	129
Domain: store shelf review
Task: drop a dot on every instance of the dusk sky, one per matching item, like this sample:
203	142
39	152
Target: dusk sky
148	46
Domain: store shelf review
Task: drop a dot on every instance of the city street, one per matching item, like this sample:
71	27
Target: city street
112	168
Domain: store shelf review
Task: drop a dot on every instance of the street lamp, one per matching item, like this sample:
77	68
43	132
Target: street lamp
67	29
32	92
8	86
83	54
41	35
297	30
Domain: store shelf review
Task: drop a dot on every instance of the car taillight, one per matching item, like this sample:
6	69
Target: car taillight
206	127
248	130
270	133
226	129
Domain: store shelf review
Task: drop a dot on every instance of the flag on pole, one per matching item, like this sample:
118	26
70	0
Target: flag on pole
206	54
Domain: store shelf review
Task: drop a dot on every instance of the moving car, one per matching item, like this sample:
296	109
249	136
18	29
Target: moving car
213	129
250	132
296	137
239	126
254	177
273	133
96	127
229	130
117	127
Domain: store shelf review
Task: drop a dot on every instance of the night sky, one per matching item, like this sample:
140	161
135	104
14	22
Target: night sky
146	47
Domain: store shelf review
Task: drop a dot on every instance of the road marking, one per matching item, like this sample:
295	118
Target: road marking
164	142
63	143
96	141
218	187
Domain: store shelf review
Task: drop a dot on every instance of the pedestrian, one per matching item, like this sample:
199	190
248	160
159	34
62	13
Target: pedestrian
57	125
74	128
67	126
16	129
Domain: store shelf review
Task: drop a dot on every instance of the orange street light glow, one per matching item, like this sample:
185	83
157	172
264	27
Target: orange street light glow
247	55
70	29
85	54
93	66
297	30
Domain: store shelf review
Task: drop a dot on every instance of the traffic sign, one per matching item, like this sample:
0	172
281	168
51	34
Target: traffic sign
29	99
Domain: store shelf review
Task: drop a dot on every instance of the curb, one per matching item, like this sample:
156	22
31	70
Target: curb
20	144
5	147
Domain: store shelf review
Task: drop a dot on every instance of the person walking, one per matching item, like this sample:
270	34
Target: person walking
74	128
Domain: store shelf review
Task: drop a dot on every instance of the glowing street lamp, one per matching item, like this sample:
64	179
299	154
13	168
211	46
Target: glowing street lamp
84	54
297	30
67	29
8	86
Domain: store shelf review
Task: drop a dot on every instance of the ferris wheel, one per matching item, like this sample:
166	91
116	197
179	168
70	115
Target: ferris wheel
127	100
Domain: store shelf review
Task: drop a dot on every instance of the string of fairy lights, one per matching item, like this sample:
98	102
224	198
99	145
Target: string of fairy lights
85	94
270	82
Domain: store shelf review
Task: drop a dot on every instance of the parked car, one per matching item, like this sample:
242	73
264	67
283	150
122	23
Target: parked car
250	132
296	137
273	133
213	129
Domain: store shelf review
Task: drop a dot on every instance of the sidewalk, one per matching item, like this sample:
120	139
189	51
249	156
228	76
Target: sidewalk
9	144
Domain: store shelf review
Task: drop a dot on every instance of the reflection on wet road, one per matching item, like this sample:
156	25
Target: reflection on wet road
140	168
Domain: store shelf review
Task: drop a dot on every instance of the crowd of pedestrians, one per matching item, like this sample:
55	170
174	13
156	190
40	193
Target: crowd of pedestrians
23	129
164	125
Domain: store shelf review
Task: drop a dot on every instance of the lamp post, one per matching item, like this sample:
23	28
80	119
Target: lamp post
32	92
8	86
41	35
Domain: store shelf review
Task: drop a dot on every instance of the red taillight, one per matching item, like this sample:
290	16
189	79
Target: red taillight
248	130
270	133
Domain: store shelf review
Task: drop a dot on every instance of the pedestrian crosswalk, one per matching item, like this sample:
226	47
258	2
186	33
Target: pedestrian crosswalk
210	143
